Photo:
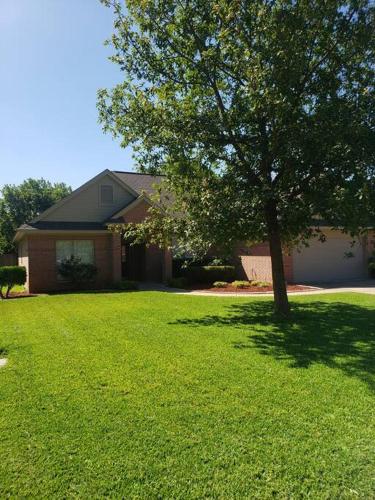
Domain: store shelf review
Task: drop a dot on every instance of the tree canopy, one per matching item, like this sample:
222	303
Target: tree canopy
22	203
259	112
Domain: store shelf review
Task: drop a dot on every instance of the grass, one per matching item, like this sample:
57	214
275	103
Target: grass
155	395
16	289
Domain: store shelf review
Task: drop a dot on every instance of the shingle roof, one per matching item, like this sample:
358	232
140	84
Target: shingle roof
139	182
65	226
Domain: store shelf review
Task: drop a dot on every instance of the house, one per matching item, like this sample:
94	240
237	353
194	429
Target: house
78	225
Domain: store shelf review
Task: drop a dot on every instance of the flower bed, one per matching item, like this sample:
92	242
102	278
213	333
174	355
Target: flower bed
250	289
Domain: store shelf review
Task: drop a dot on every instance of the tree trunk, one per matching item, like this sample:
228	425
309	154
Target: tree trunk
278	276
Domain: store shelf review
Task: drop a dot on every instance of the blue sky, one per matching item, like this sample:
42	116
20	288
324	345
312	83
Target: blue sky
52	61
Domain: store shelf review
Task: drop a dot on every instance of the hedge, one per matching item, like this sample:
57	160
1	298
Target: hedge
220	284
11	276
241	284
210	274
180	282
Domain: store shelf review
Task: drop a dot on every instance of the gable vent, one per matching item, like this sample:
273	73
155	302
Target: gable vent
106	195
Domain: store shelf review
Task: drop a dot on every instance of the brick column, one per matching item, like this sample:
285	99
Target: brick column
116	257
167	264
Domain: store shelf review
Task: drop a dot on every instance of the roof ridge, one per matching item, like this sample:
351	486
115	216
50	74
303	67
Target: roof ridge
136	173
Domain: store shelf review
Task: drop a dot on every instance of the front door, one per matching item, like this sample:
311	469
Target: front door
133	261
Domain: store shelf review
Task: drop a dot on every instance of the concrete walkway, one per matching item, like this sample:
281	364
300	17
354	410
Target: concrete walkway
367	287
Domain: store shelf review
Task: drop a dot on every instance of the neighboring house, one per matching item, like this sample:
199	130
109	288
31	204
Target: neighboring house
78	225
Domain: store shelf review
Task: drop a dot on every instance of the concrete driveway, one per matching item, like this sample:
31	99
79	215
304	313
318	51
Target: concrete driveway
362	286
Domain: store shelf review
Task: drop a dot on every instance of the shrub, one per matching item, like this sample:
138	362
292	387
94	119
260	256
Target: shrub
260	283
127	285
11	276
76	271
177	282
210	274
220	284
217	261
241	284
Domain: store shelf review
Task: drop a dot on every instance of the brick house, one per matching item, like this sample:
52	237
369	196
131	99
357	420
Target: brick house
78	225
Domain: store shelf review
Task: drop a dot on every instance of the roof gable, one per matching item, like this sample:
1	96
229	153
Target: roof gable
83	204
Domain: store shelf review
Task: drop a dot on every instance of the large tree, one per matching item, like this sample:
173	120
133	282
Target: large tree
22	203
259	112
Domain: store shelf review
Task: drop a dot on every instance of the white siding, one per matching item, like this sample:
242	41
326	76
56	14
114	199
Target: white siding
86	206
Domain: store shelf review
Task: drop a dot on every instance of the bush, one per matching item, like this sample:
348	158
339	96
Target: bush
217	261
220	284
76	271
127	285
11	276
210	274
177	282
260	283
241	284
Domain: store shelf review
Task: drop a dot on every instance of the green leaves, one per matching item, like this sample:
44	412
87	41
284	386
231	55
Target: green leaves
243	102
22	203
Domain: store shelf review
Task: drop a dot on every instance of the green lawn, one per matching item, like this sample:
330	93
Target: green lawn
154	395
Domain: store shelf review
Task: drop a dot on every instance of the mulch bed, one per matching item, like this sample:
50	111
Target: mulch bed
250	289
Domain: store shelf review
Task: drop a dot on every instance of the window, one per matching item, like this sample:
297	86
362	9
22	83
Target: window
84	249
106	195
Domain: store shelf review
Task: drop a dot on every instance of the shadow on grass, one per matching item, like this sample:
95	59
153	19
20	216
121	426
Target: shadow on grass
338	335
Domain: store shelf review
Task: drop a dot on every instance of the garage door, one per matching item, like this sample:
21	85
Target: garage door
328	262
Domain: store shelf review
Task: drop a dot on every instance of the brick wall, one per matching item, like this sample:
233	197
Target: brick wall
137	214
254	263
158	261
42	261
256	267
116	257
